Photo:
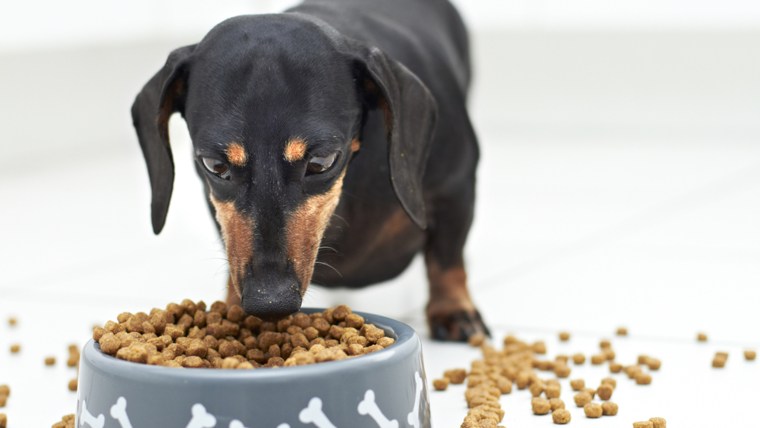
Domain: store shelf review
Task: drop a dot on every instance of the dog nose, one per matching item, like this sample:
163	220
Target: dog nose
272	297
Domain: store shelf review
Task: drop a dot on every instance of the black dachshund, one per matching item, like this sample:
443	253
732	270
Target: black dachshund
334	144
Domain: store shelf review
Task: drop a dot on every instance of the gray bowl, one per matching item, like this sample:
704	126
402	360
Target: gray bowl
385	389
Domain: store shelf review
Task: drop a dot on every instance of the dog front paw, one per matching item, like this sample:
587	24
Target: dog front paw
454	322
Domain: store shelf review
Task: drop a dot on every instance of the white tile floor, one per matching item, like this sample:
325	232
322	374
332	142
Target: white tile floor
578	233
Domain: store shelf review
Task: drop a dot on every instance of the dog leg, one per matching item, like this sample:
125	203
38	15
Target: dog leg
450	312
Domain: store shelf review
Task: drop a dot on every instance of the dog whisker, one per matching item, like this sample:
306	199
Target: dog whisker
330	266
325	247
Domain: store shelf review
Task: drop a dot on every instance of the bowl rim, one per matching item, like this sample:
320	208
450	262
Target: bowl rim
407	343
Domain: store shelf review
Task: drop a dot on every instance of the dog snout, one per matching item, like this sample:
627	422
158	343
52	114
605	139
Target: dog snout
271	295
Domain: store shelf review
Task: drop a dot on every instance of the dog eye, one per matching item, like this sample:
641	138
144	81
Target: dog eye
320	164
216	167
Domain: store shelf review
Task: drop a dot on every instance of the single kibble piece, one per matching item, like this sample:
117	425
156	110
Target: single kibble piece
615	367
621	331
643	379
441	384
653	363
658	422
592	410
73	384
12	321
577	384
50	361
3	420
564	336
552	391
536	388
5	390
582	398
642	359
643	424
701	337
719	362
609	408
561	416
15	348
66	422
750	354
604	392
476	339
556	403
579	359
562	370
3	400
597	359
455	376
540	406
609	381
605	344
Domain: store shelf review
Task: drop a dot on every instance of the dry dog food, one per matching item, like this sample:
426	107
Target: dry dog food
564	336
604	392
3	420
592	410
73	384
560	416
609	381
476	339
579	358
597	359
701	337
562	370
609	408
541	406
643	378
15	348
73	360
441	384
658	422
5	392
50	361
552	391
750	354
455	376
187	335
556	403
719	361
12	321
643	424
582	398
621	331
66	422
577	384
615	367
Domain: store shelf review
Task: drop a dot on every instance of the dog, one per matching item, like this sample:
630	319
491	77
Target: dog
334	145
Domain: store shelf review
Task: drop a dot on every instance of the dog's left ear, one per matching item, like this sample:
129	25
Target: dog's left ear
410	113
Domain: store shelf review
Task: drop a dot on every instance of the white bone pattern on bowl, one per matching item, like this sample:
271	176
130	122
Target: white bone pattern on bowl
312	414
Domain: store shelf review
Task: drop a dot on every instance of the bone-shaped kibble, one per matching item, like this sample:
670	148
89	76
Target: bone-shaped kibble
413	418
119	412
313	414
86	417
201	419
369	407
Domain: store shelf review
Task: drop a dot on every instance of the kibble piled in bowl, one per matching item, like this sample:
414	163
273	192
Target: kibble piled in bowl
188	335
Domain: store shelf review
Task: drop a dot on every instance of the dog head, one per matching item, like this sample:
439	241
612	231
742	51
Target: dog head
275	106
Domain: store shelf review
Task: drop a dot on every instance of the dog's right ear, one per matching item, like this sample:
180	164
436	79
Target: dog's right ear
159	98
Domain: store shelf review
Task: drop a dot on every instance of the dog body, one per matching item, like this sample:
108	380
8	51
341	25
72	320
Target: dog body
334	144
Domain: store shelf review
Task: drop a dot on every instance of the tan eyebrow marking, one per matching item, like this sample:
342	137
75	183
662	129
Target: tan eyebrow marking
236	154
295	150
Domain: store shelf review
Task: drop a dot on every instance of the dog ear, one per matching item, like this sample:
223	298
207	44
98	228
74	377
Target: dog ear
159	98
410	113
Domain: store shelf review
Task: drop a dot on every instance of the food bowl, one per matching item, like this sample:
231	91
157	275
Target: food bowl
385	389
